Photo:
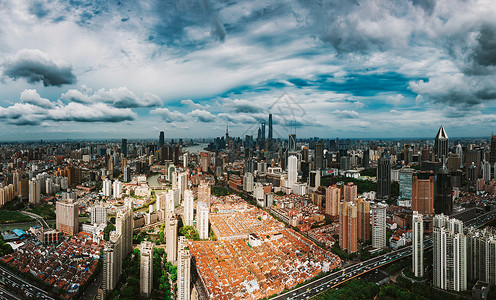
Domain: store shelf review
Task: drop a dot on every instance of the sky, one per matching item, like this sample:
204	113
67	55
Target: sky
339	68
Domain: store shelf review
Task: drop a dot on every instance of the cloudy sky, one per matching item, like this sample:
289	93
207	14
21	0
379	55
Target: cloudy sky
342	68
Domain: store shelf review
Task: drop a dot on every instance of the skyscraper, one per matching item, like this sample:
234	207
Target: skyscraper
384	178
271	141
202	220
378	214
348	226
67	216
98	214
117	188
188	207
182	182
406	175
292	142
107	187
183	270
333	196
449	254
204	192
363	219
112	262
418	245
171	239
34	191
486	171
423	192
161	140
292	171
146	268
350	192
481	255
124	147
441	144
263	134
319	155
443	199
492	154
124	227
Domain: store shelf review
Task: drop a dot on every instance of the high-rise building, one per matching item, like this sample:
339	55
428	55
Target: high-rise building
107	187
378	214
348	227
98	214
183	271
292	142
423	192
449	254
67	216
481	255
124	147
350	192
182	182
486	171
441	144
204	192
188	207
248	182
443	199
418	245
202	220
406	175
34	191
112	262
146	268
363	219
384	178
124	227
171	239
127	173
117	188
333	196
161	140
319	156
271	140
459	151
315	178
292	171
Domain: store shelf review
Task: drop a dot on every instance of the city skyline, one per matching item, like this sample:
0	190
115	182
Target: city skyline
351	70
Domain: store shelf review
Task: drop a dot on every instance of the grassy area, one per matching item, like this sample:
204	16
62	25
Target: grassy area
363	186
7	217
46	211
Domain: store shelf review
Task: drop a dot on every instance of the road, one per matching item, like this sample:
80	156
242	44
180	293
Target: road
37	217
335	279
22	286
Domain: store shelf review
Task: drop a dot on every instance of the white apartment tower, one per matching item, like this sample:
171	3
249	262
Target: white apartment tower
418	245
449	254
378	216
292	171
183	271
202	220
188	207
146	269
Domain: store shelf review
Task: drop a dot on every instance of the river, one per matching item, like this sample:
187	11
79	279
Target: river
196	148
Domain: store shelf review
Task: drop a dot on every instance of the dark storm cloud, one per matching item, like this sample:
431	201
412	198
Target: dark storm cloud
35	66
38	9
427	5
484	53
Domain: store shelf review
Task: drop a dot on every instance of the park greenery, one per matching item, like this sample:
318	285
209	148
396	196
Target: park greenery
363	186
106	232
4	247
353	290
189	232
219	191
8	217
46	211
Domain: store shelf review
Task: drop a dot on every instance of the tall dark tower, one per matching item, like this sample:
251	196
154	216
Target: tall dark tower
319	153
124	147
384	178
161	140
227	136
270	132
441	144
492	154
443	200
263	134
292	140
